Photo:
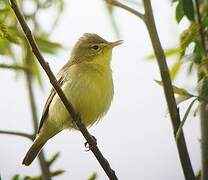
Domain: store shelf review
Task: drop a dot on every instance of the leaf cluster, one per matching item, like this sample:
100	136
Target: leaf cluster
190	49
12	40
50	162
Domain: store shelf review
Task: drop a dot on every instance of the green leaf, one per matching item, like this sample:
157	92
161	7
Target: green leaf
57	172
30	62
36	71
4	47
179	11
198	51
205	22
184	120
181	99
15	177
188	8
175	69
177	90
53	158
53	174
47	46
93	176
188	36
11	34
13	66
3	30
168	53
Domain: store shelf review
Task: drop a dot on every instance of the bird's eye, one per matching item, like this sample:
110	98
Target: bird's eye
95	47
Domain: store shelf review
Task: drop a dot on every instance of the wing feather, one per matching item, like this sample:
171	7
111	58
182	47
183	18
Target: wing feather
60	79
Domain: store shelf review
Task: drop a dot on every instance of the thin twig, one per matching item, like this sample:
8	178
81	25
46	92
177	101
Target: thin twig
127	8
29	136
184	119
148	18
46	175
75	116
15	67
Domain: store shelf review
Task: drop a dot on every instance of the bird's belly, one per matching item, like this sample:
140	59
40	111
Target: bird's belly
89	97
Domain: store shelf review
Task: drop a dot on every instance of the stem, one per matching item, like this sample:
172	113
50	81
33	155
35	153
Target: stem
43	165
127	8
148	18
75	116
15	67
32	101
168	90
204	139
203	105
29	136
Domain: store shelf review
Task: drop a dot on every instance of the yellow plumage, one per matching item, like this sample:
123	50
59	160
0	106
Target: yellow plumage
89	89
87	83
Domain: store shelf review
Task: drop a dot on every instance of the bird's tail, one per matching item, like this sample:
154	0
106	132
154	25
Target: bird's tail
33	151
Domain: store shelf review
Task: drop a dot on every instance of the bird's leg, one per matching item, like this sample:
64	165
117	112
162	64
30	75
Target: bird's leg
93	141
92	144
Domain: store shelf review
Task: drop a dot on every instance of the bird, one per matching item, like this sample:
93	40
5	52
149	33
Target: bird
86	80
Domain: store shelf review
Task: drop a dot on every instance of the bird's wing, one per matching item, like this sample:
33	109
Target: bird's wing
60	79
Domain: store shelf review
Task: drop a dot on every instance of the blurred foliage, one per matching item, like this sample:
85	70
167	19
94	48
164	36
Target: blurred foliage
53	174
190	49
198	175
93	176
110	11
50	163
53	159
13	44
177	90
12	37
172	52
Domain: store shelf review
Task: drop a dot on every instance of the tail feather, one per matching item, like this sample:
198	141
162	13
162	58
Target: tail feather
33	152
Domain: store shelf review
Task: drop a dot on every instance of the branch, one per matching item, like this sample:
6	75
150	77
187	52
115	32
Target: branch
168	90
29	136
148	18
14	67
75	116
127	8
203	104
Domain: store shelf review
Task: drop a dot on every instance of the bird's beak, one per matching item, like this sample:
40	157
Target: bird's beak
116	43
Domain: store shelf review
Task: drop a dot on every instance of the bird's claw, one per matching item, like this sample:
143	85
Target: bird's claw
90	146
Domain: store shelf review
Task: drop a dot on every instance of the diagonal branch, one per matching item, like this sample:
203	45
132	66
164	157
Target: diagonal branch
15	133
148	18
75	116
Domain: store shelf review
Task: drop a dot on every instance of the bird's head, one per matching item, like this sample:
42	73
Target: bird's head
94	49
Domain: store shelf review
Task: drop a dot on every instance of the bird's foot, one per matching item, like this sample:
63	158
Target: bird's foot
92	144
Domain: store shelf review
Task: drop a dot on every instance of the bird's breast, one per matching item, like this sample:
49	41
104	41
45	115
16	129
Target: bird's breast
90	90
